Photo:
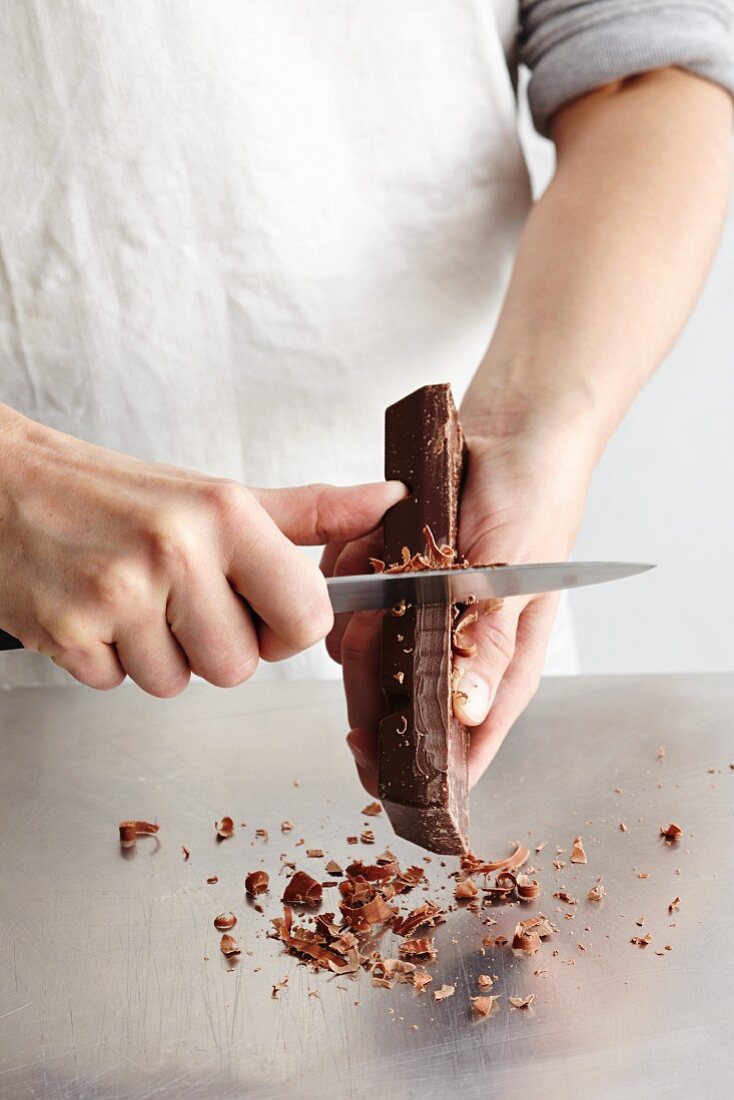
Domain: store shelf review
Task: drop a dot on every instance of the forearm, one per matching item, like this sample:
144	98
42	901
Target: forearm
611	260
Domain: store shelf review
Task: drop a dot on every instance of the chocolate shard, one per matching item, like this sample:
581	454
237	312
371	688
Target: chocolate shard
422	748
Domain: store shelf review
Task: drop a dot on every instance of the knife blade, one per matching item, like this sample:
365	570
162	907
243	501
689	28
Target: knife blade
486	582
375	591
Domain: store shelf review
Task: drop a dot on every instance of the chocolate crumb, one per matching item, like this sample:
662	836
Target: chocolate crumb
130	830
225	828
224	921
257	882
372	809
228	945
278	986
578	855
483	1006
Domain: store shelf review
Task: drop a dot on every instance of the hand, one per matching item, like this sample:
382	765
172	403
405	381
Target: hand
112	566
521	502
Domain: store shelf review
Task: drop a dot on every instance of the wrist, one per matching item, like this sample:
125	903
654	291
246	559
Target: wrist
514	412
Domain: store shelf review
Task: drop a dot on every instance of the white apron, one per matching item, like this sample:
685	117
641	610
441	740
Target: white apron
232	232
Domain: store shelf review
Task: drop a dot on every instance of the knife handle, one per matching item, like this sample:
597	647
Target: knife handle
7	641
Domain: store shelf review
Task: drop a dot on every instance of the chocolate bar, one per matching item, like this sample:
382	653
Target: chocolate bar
422	747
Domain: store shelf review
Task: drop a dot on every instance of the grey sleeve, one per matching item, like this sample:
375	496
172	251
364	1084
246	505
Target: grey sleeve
574	46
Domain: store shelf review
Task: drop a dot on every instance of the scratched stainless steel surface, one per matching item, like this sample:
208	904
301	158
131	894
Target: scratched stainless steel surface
111	982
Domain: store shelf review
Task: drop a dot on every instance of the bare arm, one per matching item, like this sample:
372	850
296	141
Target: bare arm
613	255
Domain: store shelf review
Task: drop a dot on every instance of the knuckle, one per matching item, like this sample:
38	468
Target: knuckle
66	631
313	617
116	585
234	671
357	643
224	497
167	687
171	543
331	513
495	638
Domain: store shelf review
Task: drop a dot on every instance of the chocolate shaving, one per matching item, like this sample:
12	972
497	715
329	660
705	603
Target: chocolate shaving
257	882
563	896
482	1006
302	890
225	828
528	889
280	985
224	921
323	949
372	809
578	855
130	830
427	913
642	941
528	934
421	979
475	866
212	880
186	852
315	853
672	833
333	868
444	992
674	905
484	981
597	891
367	836
420	948
286	826
262	833
522	1002
466	889
228	945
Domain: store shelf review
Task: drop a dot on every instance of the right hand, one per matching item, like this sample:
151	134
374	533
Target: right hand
112	566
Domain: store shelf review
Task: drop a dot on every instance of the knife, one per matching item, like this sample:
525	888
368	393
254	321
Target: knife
437	586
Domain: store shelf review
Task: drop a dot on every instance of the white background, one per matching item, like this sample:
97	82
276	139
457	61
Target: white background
663	493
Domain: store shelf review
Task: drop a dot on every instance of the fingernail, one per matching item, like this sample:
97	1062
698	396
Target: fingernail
471	699
357	753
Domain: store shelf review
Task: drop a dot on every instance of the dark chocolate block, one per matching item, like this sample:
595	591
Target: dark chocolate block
422	748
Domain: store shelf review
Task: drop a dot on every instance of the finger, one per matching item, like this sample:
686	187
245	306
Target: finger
366	705
480	675
313	515
362	749
518	686
97	667
152	657
353	560
283	587
213	627
330	556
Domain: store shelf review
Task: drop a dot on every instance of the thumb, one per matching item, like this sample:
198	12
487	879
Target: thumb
314	515
484	645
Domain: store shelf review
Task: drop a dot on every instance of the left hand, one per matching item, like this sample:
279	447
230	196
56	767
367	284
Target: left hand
522	502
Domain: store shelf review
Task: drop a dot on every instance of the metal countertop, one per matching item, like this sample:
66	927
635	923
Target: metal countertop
105	990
